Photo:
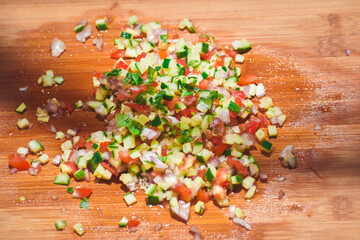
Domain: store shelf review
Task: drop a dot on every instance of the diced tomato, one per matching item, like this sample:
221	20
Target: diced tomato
239	97
97	74
88	145
183	63
203	196
220	148
118	54
122	65
248	79
263	121
155	84
69	107
170	104
138	58
81	143
251	127
133	223
234	162
219	192
138	108
201	173
73	167
185	193
232	114
188	162
110	116
144	76
125	157
203	84
216	140
209	55
109	168
231	53
104	146
219	62
82	192
221	176
124	96
189	100
139	89
162	54
154	174
19	163
95	90
186	113
164	152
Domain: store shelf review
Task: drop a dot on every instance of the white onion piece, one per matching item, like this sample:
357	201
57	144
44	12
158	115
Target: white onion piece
274	121
224	115
13	170
254	110
232	211
223	91
87	175
171	179
158	164
243	223
150	134
215	161
100	44
260	90
52	107
57	47
82	22
84	34
22	89
173	119
182	211
195	232
263	176
246	90
75	194
56	160
75	157
106	156
33	171
53	128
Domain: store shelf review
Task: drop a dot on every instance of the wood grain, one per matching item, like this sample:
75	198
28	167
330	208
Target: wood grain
299	54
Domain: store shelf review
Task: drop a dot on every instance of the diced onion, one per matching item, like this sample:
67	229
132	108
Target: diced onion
242	222
57	47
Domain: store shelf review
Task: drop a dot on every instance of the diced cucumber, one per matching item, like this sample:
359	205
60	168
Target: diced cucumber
266	146
22	123
154	25
44	158
248	182
254	169
21	108
233	107
204	93
210	173
272	131
78	104
79	28
35	146
79	229
134	168
152	200
239	58
151	189
193	58
204	104
147	46
231	82
260	135
204	155
241	46
101	24
185	23
60	225
145	28
101	94
250	193
62	179
132	20
198	146
236	179
79	174
123	222
70	190
166	63
200	207
129	198
129	141
58	80
131	52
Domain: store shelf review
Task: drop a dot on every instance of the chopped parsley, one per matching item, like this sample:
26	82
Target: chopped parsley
84	204
124	120
113	73
133	78
185	93
141	98
185	136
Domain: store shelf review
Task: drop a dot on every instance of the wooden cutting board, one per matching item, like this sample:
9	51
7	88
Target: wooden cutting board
299	54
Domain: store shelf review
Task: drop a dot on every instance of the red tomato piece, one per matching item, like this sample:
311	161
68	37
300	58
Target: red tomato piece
138	58
19	163
139	89
221	176
109	168
209	55
170	104
186	113
139	108
219	62
201	173
162	54
81	143
104	146
203	196
133	223
234	162
82	192
96	74
216	140
219	149
185	193
183	63
203	84
231	53
251	127
164	152
122	65
88	145
263	121
125	157
248	79
72	166
189	100
69	107
118	54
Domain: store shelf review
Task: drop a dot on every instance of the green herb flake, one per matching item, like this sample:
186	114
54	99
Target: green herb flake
84	204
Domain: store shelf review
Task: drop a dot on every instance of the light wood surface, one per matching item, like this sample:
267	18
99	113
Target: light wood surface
299	53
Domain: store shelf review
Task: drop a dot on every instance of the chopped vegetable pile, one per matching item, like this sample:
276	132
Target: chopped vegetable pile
181	119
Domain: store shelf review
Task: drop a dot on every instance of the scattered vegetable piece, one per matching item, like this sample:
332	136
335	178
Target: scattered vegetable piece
60	225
